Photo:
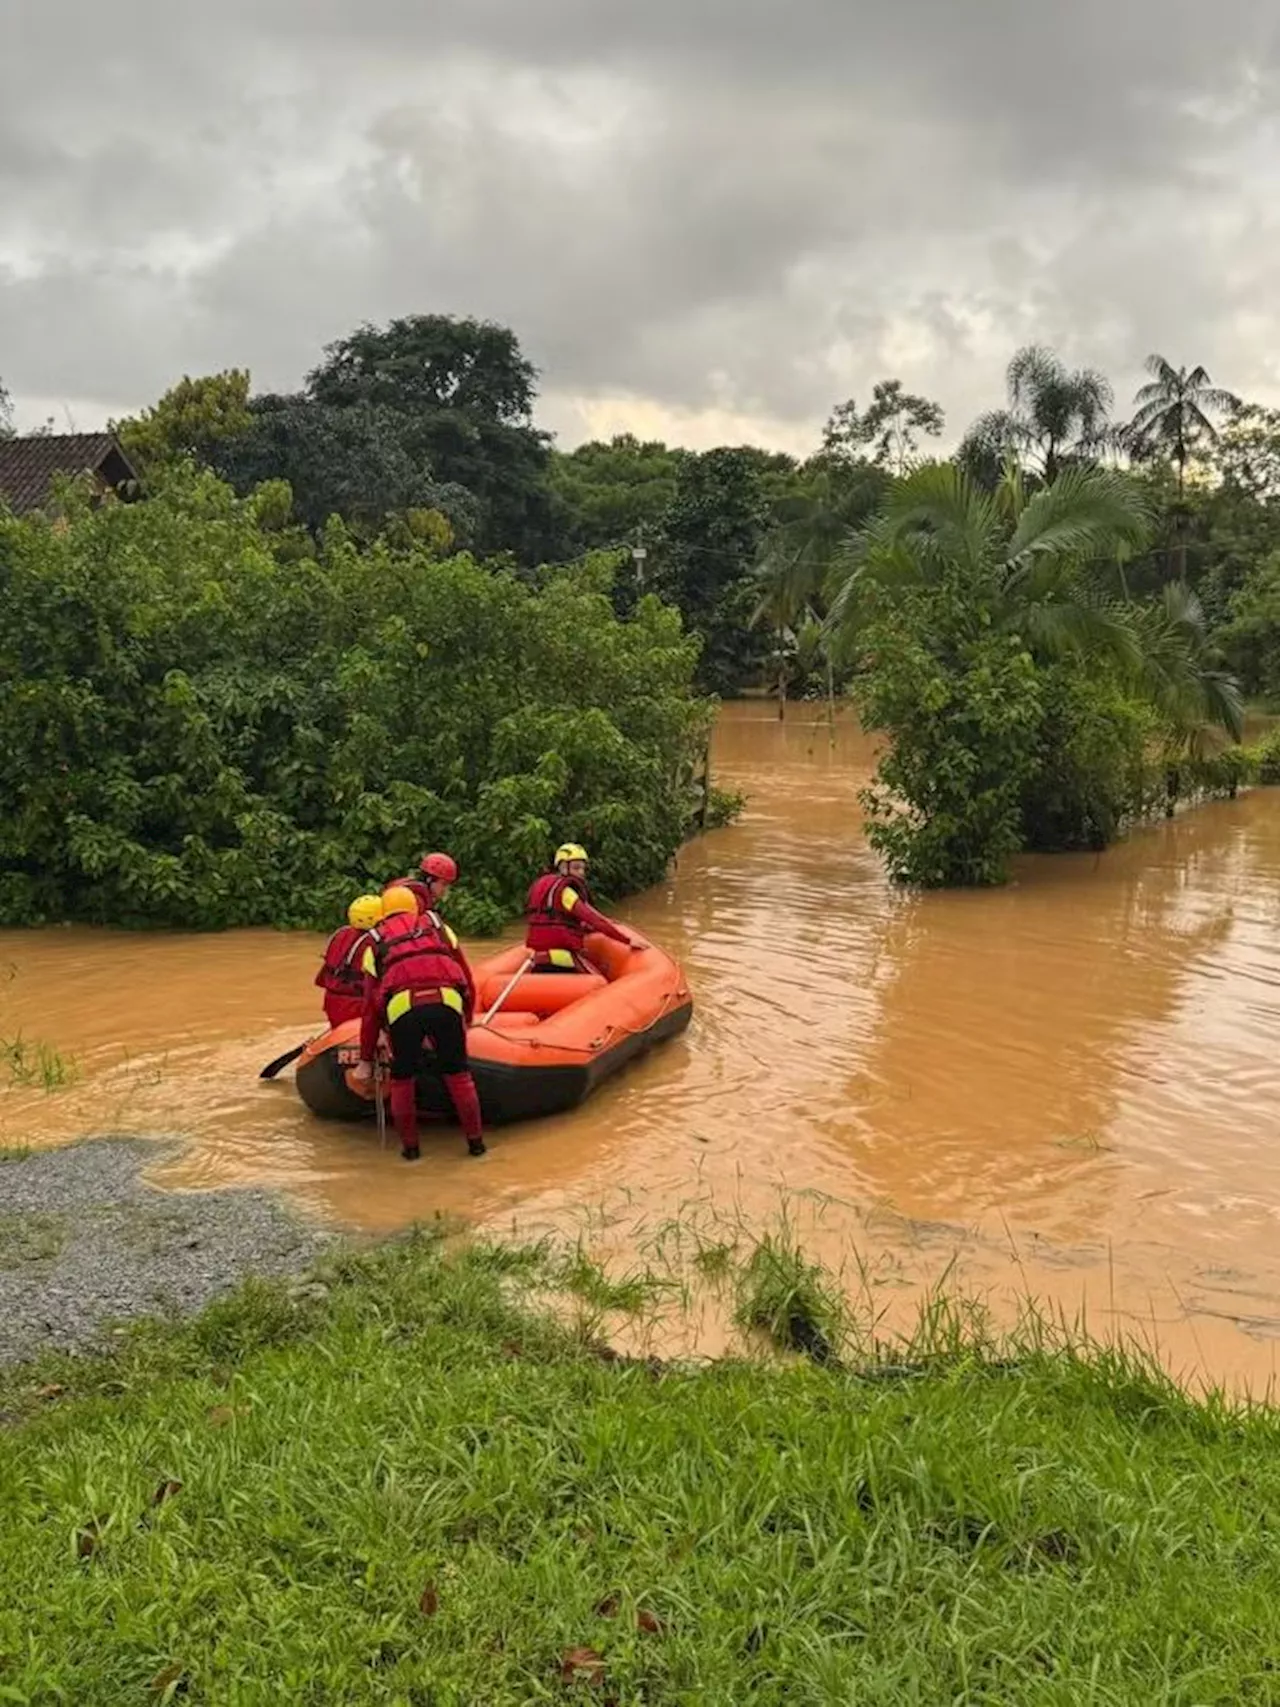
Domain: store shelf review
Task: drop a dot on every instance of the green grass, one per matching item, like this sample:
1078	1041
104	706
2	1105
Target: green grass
399	1484
15	1153
28	1064
28	1238
791	1300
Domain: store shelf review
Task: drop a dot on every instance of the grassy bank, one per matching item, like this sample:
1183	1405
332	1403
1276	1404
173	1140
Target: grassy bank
407	1482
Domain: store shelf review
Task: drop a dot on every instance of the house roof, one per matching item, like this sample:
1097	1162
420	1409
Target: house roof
27	466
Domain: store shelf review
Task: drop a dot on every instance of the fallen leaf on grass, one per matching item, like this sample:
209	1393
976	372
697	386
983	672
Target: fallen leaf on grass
608	1607
90	1538
429	1604
650	1623
171	1678
221	1415
54	1390
581	1665
166	1491
512	1348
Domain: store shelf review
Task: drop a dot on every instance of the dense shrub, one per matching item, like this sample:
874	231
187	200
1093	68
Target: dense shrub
963	703
200	729
1095	770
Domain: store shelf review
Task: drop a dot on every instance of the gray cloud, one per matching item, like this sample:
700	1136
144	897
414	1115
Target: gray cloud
729	205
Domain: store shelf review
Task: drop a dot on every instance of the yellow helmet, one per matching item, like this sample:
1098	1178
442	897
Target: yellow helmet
398	899
364	912
569	851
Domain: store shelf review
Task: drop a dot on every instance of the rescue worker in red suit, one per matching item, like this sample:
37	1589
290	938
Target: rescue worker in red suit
425	881
560	916
419	986
341	974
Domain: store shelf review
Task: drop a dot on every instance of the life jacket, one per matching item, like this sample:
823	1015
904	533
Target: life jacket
549	926
415	953
341	973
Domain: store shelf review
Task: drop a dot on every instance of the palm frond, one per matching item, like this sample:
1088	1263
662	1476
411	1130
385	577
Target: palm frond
1032	371
939	503
1104	630
1087	512
1161	371
1188	691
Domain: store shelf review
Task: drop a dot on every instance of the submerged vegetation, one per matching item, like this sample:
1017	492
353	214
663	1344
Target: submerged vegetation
26	1064
404	1483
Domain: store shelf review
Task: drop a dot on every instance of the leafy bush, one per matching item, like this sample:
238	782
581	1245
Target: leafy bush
197	731
1023	692
1251	638
1223	773
1094	772
1266	758
963	705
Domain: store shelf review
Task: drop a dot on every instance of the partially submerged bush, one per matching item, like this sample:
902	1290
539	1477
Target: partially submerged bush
199	730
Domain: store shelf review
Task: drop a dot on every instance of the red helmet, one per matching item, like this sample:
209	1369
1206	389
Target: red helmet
441	867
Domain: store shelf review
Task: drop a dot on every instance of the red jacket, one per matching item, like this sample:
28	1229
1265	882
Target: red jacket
408	952
341	973
560	915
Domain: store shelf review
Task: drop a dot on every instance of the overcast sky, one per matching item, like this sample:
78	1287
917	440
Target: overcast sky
707	220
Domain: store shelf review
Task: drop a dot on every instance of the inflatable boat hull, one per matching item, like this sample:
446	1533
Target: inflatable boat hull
557	1038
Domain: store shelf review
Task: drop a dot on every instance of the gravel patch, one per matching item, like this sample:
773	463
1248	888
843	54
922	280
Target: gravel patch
85	1243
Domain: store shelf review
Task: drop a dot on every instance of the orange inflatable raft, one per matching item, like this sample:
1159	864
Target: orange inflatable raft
555	1038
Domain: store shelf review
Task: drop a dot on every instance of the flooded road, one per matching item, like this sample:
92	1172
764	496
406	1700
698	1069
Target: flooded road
1068	1088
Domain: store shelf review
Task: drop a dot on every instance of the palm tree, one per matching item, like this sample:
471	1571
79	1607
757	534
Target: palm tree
1048	566
815	518
1055	417
1025	554
1174	414
787	577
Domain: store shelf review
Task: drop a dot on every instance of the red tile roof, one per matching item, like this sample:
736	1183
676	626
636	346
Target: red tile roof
27	466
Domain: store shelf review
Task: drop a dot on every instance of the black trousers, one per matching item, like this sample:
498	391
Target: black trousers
440	1024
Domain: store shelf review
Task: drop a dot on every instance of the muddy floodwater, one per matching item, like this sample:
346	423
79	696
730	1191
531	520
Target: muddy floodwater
1067	1088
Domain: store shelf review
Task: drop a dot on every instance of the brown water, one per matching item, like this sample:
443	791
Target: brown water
1066	1088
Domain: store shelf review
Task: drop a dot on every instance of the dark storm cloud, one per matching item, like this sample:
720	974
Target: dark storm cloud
736	204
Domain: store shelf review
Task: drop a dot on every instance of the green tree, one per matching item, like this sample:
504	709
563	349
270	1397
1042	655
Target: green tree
1246	452
707	547
611	494
362	463
814	512
1251	636
980	619
1175	415
1172	424
786	581
193	419
1055	418
891	427
424	363
468	392
194	733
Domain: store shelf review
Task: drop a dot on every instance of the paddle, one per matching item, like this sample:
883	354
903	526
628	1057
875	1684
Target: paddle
510	987
274	1067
